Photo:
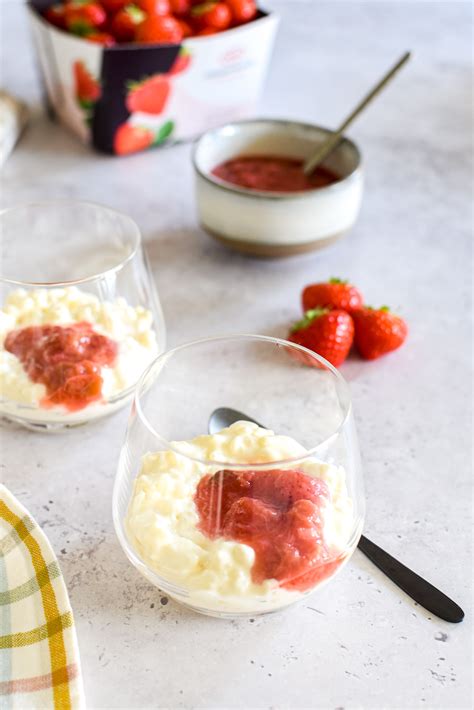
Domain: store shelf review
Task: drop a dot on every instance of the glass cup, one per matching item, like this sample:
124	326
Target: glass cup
80	319
243	521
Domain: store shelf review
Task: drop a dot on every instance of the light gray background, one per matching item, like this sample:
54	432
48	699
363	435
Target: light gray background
360	642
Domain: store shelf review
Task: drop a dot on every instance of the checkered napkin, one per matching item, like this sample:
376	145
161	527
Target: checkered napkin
39	657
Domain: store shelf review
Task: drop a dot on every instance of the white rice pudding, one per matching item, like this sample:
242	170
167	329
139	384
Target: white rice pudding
131	327
162	519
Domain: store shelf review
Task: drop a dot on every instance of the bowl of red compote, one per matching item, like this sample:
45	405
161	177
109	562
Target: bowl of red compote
253	196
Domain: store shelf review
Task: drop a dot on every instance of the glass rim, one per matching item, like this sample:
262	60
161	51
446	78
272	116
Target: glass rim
137	243
140	388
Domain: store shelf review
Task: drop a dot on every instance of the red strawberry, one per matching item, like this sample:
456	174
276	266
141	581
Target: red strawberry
208	31
181	63
86	88
186	28
131	139
154	7
215	15
113	6
332	294
328	333
83	16
159	29
180	8
378	331
101	38
124	23
55	14
149	96
242	10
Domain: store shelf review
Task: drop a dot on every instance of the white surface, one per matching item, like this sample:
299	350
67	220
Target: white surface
359	642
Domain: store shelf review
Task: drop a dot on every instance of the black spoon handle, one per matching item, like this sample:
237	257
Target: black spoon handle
415	586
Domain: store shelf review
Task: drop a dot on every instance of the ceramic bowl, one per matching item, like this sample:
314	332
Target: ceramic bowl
275	224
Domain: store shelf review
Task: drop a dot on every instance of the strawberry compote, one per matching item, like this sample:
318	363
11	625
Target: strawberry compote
277	513
66	359
272	174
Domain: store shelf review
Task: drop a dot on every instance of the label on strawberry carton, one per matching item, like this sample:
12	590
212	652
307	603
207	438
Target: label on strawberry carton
132	97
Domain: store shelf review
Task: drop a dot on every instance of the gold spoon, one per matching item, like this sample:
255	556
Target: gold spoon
323	150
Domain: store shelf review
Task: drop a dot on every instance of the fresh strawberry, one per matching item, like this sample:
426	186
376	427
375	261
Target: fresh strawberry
215	15
181	63
332	294
131	139
180	8
157	29
101	38
154	7
86	88
55	14
186	28
378	331
83	17
208	31
148	96
113	6
328	333
124	24
242	10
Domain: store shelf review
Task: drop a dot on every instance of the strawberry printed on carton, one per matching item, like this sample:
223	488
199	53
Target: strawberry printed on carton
86	89
181	63
148	96
152	93
131	138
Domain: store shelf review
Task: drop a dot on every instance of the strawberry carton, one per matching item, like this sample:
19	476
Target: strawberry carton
130	97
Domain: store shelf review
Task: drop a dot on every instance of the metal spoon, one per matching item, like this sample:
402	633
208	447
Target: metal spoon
322	151
412	584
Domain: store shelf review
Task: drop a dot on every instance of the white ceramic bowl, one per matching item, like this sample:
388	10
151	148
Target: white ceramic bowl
275	223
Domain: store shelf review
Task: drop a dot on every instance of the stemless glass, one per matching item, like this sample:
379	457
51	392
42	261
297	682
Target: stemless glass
67	267
243	521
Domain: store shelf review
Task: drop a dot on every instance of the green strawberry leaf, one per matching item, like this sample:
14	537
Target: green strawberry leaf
333	280
309	317
164	132
131	85
198	10
80	28
85	104
135	13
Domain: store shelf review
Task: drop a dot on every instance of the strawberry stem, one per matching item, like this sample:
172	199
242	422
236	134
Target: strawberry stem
334	280
309	317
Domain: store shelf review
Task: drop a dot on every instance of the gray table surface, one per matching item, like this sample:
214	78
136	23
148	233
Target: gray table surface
360	642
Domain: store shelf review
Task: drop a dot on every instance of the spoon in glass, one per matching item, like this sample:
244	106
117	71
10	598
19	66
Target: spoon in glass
416	587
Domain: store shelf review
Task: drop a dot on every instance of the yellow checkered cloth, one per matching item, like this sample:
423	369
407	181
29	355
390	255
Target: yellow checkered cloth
39	656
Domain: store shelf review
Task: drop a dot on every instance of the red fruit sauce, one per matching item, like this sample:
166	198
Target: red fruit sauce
66	359
277	513
272	174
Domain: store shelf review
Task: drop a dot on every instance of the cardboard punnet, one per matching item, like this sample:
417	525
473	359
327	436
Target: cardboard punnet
131	97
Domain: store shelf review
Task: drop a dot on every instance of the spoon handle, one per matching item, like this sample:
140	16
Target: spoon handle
335	138
412	584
